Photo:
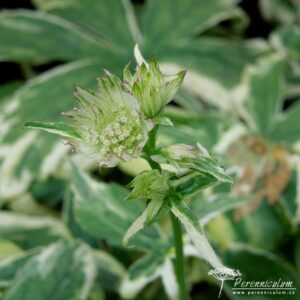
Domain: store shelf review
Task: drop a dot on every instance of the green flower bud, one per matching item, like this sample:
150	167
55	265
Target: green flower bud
153	89
149	185
109	123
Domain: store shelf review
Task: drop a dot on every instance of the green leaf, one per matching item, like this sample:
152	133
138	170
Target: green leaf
287	127
259	266
208	207
146	270
110	270
49	192
265	92
61	271
28	154
102	210
28	231
194	231
166	27
61	129
190	128
262	228
37	37
111	22
9	266
287	39
209	76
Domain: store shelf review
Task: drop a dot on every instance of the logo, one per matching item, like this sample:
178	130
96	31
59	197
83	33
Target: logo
254	287
263	287
223	274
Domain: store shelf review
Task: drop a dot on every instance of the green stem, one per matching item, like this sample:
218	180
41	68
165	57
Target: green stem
176	226
179	261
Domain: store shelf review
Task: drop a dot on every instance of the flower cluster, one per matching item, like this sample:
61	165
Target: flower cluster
109	122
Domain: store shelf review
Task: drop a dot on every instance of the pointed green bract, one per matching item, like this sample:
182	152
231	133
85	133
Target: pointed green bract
144	220
61	129
196	158
192	183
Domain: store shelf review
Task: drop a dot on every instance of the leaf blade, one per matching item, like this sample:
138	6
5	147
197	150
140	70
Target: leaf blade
61	129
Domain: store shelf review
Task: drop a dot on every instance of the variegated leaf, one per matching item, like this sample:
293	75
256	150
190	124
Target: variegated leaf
103	211
28	154
29	232
61	271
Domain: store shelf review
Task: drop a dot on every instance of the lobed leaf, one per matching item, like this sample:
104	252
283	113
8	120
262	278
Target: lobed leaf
166	28
29	232
112	23
265	93
37	37
26	155
97	204
61	271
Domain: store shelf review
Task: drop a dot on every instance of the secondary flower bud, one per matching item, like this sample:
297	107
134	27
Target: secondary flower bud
153	89
149	185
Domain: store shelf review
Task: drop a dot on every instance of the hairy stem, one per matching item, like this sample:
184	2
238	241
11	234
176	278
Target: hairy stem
176	226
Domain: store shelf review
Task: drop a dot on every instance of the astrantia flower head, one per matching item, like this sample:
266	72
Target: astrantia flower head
106	125
153	89
109	123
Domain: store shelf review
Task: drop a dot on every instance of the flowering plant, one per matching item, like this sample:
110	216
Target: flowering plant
119	122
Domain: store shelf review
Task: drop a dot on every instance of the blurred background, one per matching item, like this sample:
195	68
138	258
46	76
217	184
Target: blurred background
61	230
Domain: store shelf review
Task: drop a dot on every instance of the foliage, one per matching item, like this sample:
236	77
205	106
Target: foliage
66	229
